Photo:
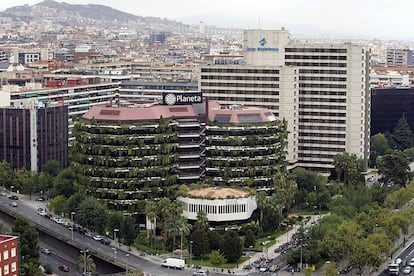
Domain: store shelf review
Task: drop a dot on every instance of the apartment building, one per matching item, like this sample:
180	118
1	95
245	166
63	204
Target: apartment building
32	134
397	57
9	255
322	90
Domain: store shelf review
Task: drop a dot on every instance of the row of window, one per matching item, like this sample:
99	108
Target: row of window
321	121
315	57
322	93
322	71
322	100
239	92
246	78
303	127
327	114
309	78
213	209
322	107
321	142
315	50
314	155
239	71
322	85
328	135
315	64
242	84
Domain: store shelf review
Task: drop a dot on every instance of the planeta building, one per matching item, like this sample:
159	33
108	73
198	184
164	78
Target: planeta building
139	152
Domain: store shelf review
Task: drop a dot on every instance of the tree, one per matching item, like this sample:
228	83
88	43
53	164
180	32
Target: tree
24	180
91	214
58	205
86	261
151	209
283	193
29	242
350	166
200	243
231	246
52	167
214	240
64	183
6	174
202	221
216	258
403	135
379	146
250	239
165	210
128	230
331	269
31	269
394	168
262	202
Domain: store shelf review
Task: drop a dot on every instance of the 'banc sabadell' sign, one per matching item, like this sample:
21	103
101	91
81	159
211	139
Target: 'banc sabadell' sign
182	98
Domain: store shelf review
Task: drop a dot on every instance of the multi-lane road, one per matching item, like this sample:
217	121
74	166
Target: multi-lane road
111	253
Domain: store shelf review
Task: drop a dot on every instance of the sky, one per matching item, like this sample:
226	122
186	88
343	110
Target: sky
382	19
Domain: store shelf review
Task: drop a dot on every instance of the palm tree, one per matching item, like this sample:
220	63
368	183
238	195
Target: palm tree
31	269
86	263
165	209
202	221
151	213
262	202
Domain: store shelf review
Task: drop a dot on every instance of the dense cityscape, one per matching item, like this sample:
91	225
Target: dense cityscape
142	145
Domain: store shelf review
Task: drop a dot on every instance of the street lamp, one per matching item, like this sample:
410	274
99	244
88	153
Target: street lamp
181	244
250	253
71	216
126	270
114	249
191	253
115	231
84	260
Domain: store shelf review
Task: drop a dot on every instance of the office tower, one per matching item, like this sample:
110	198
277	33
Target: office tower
321	89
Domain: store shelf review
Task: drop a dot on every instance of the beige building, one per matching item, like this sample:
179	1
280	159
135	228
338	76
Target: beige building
322	90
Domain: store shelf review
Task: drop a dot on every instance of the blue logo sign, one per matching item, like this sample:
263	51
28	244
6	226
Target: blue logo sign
262	41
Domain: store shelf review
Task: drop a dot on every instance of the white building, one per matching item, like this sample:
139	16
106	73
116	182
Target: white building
220	204
322	90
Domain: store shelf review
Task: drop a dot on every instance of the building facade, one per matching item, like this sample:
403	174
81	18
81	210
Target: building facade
9	255
219	204
388	105
397	57
32	135
322	90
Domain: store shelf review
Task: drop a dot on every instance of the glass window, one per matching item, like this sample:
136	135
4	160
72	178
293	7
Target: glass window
6	269
13	267
13	252
5	255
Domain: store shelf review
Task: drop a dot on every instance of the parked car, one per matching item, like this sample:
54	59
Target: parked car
13	204
97	238
411	263
45	251
407	270
3	193
40	198
105	241
64	268
13	197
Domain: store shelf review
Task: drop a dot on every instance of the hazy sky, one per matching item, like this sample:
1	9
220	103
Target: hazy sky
390	19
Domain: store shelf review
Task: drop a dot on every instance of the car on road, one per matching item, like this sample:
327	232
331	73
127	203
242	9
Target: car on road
64	268
411	263
13	197
407	270
45	250
13	204
97	238
3	193
40	198
106	241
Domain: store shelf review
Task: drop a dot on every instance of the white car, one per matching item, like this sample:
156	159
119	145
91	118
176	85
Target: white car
97	238
407	270
411	263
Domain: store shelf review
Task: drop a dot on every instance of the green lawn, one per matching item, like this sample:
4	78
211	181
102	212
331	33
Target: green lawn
205	262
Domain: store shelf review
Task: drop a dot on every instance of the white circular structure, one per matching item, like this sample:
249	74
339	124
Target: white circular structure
220	204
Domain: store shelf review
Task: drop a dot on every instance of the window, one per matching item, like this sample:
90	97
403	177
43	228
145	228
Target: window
13	252
13	267
6	269
6	255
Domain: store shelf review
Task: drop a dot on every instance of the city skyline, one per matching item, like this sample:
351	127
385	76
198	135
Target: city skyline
318	18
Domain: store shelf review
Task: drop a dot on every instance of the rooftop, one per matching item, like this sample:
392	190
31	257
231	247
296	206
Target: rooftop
218	192
6	238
